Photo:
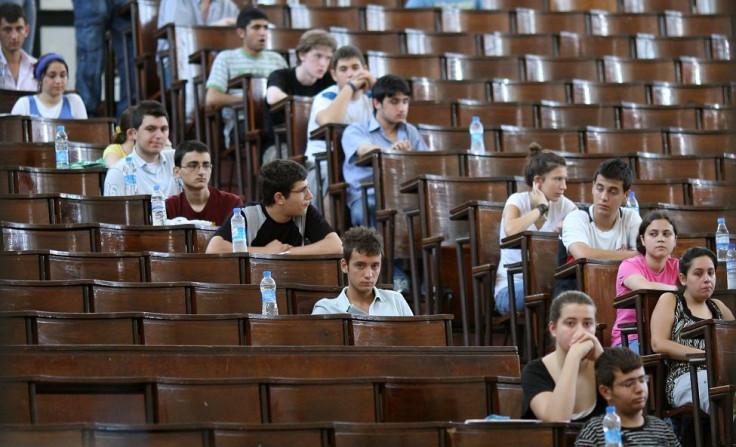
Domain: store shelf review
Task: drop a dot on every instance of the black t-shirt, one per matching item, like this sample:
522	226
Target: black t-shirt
286	80
315	229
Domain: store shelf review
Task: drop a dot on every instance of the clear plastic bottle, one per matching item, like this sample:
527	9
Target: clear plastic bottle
731	267
476	136
612	428
129	175
632	203
268	295
158	206
722	239
61	144
237	228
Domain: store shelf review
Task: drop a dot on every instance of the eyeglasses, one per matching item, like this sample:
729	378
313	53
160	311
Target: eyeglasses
195	166
628	384
300	190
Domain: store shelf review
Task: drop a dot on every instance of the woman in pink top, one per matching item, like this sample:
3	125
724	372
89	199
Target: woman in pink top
652	268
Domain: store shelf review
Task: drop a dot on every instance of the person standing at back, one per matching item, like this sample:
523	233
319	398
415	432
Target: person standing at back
16	65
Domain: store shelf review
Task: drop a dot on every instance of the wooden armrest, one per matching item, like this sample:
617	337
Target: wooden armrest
536	299
385	214
462	240
337	187
411	213
280	106
566	271
482	270
434	240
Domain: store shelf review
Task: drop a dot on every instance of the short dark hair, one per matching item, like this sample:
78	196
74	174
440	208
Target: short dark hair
148	107
279	176
615	359
187	147
687	258
568	297
541	162
247	15
648	219
364	240
388	86
12	12
347	52
615	169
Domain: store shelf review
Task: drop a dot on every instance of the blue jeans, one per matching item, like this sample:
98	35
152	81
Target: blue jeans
92	18
356	210
633	345
502	299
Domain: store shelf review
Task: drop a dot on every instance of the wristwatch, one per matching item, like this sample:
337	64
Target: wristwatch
542	209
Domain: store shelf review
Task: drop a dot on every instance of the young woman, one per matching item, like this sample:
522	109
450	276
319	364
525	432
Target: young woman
541	209
652	268
561	385
674	311
122	142
52	75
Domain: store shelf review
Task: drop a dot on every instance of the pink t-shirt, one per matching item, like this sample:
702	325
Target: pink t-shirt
631	266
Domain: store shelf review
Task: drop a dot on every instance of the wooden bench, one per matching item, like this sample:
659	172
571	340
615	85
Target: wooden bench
31	180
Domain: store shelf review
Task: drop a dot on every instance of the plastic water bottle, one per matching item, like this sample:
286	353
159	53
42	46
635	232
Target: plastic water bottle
158	206
237	228
731	267
722	239
476	136
632	203
131	180
62	148
612	428
268	295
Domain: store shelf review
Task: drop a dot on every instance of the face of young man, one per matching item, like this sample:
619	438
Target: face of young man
151	136
345	71
628	393
316	61
362	271
298	201
195	170
254	36
608	196
12	35
392	110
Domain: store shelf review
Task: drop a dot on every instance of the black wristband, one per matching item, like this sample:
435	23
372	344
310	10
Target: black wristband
542	209
352	86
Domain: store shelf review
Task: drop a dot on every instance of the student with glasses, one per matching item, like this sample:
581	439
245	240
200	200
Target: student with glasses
284	221
621	380
199	200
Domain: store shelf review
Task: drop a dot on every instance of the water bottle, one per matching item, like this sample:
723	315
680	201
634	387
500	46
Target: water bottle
158	206
612	428
722	239
268	295
632	203
62	148
476	136
237	228
131	181
731	267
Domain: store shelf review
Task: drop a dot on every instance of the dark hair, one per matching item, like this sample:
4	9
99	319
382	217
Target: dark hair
279	176
541	162
187	147
42	65
247	15
144	108
121	132
648	219
568	297
388	86
615	169
347	52
364	240
315	38
12	12
687	258
612	360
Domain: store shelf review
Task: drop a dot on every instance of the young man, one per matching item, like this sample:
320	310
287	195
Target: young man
16	66
154	163
345	102
193	167
311	76
387	129
624	384
362	251
284	222
607	230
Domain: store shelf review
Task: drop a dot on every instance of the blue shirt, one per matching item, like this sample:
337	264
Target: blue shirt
147	175
386	303
370	132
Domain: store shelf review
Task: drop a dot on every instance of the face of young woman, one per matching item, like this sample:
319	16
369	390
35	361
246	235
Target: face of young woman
573	318
700	280
659	238
55	79
554	183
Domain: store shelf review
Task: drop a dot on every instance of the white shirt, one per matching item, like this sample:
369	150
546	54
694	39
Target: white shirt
23	107
386	303
148	175
26	81
578	227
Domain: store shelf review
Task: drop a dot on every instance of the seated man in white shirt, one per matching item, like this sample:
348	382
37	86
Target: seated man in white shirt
16	66
362	251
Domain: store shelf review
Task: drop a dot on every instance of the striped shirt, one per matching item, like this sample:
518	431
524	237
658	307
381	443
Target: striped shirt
653	433
230	64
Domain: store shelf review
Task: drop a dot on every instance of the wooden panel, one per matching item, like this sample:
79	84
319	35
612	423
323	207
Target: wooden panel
213	298
388	435
661	167
430	330
22	265
49	296
105	266
320	330
518	139
192	330
299	269
88	182
37	436
139	297
296	435
130	238
125	210
208	402
63	403
434	400
95	329
27	208
321	402
67	237
217	268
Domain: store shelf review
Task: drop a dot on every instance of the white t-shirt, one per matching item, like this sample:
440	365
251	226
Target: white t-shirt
360	109
557	212
23	107
578	227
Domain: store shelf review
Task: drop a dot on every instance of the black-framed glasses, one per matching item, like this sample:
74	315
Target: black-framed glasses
300	190
195	166
628	384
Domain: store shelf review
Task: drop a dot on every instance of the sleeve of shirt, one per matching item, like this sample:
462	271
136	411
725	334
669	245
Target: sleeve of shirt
79	111
352	137
320	307
21	107
277	78
417	142
534	380
574	229
225	231
316	227
633	229
114	181
627	268
219	73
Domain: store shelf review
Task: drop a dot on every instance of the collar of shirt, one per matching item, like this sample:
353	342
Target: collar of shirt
151	168
375	126
347	305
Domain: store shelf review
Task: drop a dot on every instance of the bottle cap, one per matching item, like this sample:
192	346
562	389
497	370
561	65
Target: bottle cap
60	128
476	118
236	210
631	193
267	274
721	220
610	409
157	187
128	159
